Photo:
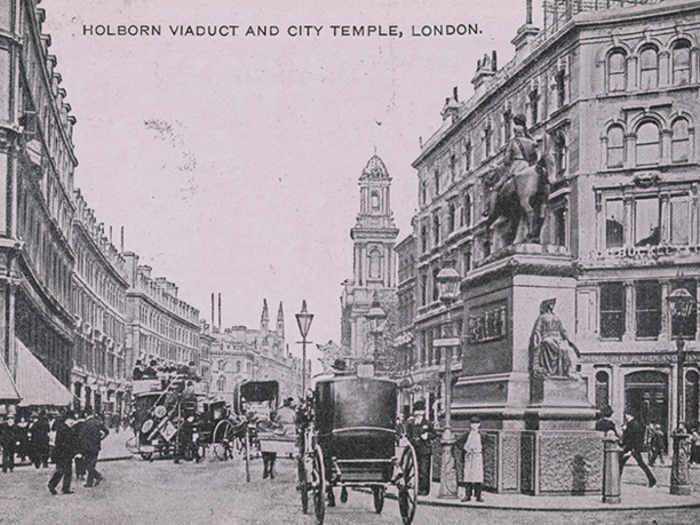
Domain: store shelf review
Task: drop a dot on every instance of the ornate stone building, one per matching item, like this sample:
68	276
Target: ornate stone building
37	164
241	354
374	266
100	377
160	326
610	93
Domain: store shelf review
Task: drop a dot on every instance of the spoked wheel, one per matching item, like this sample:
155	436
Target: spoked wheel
303	485
378	491
222	440
408	485
318	485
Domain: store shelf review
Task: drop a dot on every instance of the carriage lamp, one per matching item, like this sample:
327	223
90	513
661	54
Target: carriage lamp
682	306
304	319
377	322
448	280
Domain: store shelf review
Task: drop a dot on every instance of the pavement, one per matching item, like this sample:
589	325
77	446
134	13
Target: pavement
634	495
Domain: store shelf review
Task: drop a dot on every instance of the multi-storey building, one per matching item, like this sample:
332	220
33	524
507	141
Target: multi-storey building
99	375
610	91
160	326
374	266
36	211
241	354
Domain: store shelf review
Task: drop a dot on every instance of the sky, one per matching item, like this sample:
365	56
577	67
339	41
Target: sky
232	162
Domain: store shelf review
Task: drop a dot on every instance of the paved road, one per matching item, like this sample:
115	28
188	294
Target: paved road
137	492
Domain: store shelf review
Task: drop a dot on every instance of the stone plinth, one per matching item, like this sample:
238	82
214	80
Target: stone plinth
539	429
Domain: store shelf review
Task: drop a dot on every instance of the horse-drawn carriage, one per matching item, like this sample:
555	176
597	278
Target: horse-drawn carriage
350	441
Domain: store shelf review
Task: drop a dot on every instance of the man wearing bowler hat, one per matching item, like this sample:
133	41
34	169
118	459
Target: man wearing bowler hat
421	433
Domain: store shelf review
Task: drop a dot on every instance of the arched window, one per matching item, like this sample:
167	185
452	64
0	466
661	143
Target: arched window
602	389
681	63
680	142
436	228
617	70
221	383
222	364
375	264
238	367
615	147
467	156
375	201
560	154
649	68
451	220
424	237
648	144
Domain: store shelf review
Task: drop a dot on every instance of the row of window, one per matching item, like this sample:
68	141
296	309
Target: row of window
166	326
98	360
648	306
648	220
648	146
647	74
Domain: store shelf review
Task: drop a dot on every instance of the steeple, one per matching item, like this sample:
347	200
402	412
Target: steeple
265	317
280	321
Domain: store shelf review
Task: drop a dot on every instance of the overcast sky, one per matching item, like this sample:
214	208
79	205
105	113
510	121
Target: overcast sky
233	161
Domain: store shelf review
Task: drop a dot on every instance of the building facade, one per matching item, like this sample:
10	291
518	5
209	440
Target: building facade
374	263
37	164
240	354
99	376
610	93
160	325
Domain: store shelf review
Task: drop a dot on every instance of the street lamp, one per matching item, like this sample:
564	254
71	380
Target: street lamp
448	280
377	321
304	319
682	306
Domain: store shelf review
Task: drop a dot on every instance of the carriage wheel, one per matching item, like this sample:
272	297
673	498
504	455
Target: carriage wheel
222	440
408	485
303	485
318	485
378	492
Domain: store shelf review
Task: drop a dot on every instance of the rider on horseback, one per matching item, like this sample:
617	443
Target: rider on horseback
521	153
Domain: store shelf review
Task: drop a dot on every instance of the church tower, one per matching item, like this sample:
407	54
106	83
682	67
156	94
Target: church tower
280	321
374	268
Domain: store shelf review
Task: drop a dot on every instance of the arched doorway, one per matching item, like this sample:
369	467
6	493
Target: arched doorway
646	397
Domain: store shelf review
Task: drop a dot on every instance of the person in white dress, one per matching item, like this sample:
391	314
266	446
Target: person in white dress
470	446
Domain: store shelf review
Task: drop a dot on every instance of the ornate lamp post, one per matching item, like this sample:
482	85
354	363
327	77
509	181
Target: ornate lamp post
682	306
304	319
448	285
377	321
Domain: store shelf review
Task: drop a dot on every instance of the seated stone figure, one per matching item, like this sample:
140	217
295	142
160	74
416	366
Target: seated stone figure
549	355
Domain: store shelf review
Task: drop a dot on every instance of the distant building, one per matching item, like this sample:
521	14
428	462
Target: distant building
374	266
240	354
99	376
160	326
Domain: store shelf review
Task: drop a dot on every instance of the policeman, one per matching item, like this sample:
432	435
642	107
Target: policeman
421	433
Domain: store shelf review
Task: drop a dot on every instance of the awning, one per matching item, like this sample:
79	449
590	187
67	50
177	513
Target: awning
36	385
8	391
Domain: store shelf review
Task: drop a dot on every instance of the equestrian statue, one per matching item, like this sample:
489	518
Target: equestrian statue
519	188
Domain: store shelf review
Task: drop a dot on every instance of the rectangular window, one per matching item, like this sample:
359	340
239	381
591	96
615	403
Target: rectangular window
646	222
614	226
436	289
689	328
648	308
612	310
423	288
559	226
680	219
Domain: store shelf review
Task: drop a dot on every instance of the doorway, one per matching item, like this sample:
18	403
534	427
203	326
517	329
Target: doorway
646	397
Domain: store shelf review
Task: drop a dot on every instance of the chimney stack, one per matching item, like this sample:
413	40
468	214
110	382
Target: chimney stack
219	311
122	240
528	16
212	311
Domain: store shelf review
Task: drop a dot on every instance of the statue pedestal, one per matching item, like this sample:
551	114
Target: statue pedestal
539	430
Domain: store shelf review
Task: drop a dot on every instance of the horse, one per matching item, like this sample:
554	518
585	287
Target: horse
521	200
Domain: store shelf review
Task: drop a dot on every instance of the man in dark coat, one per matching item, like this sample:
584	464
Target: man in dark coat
39	440
9	440
605	423
93	433
64	450
80	463
421	433
632	445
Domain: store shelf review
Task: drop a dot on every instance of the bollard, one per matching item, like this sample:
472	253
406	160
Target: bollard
611	468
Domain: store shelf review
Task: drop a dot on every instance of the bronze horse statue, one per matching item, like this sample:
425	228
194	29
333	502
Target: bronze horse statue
522	201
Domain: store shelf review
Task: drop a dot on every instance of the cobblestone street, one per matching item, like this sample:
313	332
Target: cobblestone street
138	492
